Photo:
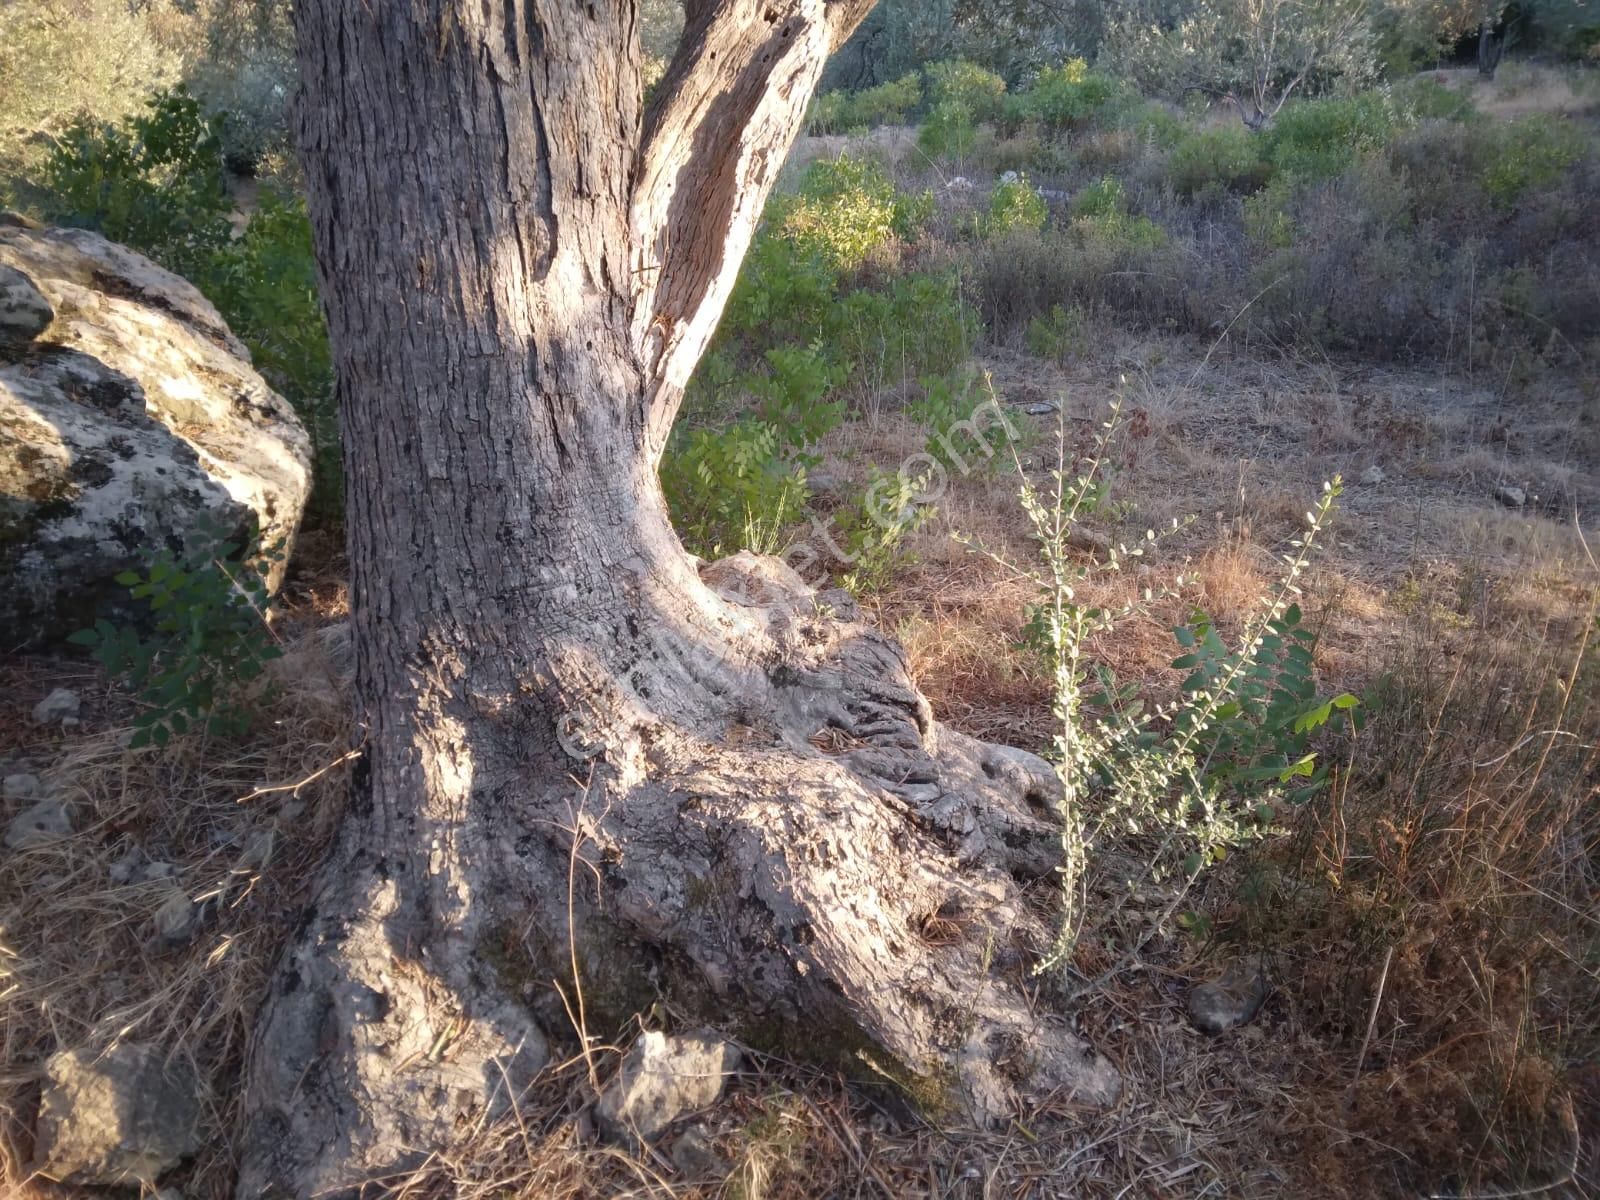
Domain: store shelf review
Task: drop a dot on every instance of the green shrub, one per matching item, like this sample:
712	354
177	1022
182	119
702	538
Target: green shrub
208	606
1067	96
948	132
1429	100
1229	157
887	104
732	488
915	325
1318	139
1100	214
1058	335
1015	204
264	283
1267	221
1530	152
155	182
872	534
784	291
980	92
741	485
1103	198
845	210
1155	125
965	431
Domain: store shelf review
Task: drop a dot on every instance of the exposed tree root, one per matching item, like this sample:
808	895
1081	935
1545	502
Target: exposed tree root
811	861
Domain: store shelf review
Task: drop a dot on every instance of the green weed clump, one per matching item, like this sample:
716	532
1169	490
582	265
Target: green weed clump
1066	97
887	104
801	337
1015	204
949	132
1100	216
154	182
208	636
977	90
1229	158
1528	153
845	210
1318	139
1058	335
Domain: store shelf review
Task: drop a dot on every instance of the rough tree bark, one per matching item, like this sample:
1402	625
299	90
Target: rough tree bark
584	747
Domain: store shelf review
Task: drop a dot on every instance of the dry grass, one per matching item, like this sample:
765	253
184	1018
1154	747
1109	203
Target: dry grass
241	827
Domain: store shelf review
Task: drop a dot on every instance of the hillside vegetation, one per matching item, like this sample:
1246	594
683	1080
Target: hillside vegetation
1247	472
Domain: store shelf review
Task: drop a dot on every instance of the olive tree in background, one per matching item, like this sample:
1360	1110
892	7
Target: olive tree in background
1253	54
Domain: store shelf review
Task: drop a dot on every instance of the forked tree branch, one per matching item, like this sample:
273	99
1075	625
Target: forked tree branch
715	136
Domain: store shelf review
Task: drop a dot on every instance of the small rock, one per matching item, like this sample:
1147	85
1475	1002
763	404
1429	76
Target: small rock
24	311
1231	999
959	184
1009	177
694	1154
661	1079
1511	497
1373	476
1041	409
126	869
177	918
60	705
257	851
22	786
47	821
154	871
822	483
120	1118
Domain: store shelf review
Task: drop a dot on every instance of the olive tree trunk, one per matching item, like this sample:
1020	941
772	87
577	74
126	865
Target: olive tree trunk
597	770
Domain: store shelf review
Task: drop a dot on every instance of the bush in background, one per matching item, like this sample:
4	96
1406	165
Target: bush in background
980	92
1229	158
1015	204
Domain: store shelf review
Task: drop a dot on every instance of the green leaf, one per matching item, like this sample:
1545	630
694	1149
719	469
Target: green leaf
1305	767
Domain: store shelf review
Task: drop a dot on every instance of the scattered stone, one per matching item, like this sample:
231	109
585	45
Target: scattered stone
694	1154
257	851
22	786
1373	476
59	706
1009	177
47	821
24	311
822	483
661	1079
959	184
126	869
121	1118
1231	999
177	918
1511	497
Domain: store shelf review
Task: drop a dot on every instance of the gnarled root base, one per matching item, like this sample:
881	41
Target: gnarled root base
823	865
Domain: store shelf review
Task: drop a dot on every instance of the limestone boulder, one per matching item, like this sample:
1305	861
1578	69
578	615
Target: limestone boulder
128	421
